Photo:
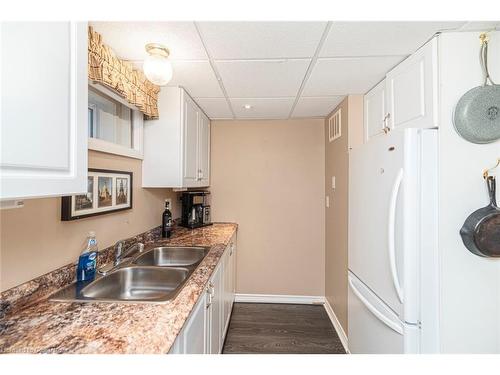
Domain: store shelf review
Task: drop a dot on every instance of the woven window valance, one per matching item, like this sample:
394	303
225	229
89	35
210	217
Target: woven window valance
121	76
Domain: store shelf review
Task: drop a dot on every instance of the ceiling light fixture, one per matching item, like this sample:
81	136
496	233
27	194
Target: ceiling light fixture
157	67
247	106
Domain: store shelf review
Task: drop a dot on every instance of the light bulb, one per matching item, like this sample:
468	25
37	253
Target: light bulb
157	67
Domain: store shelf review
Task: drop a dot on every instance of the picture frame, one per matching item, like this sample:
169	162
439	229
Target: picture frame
107	191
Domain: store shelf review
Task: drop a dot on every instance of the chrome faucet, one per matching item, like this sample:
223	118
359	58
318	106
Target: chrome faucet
120	256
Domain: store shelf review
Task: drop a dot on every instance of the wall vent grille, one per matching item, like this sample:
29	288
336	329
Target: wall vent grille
335	126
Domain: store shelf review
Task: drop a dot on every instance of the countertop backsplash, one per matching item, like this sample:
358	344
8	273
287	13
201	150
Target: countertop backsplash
34	324
24	295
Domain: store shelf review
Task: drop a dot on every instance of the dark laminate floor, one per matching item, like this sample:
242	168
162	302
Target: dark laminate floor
258	328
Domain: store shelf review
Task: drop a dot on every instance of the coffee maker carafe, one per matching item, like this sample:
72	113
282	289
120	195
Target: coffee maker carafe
195	209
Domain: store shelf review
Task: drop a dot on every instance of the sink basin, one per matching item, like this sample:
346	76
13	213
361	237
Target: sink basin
138	284
171	256
154	276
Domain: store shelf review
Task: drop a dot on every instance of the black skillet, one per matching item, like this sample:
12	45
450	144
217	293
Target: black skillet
481	231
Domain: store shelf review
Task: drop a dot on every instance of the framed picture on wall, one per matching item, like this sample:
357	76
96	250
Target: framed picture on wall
107	191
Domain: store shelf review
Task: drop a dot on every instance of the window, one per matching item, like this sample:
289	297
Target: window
113	126
109	120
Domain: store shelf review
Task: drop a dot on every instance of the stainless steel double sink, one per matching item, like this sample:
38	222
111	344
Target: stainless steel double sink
153	276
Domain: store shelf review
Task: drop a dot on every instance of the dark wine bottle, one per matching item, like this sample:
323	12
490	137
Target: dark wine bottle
166	225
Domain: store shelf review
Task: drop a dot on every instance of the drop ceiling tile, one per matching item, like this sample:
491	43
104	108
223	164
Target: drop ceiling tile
342	76
264	108
481	26
316	106
380	38
215	108
197	77
262	78
258	40
128	39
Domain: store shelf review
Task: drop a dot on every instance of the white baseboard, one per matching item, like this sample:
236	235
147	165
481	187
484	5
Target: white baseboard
278	298
336	325
304	300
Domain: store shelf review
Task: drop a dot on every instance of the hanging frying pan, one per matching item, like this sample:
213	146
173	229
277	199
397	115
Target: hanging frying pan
477	114
481	230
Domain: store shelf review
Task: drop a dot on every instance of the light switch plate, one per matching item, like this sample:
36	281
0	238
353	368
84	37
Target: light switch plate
327	201
333	182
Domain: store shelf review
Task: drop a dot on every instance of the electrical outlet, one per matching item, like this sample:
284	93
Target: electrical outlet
327	201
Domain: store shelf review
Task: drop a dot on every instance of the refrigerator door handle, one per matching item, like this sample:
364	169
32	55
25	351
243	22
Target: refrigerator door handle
391	234
388	322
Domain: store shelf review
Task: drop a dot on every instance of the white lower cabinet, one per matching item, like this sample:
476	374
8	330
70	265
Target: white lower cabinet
195	331
229	289
205	329
215	309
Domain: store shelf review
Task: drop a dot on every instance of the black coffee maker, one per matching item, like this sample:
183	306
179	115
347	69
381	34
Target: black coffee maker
195	209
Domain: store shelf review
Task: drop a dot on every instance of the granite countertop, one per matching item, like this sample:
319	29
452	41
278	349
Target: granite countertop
108	328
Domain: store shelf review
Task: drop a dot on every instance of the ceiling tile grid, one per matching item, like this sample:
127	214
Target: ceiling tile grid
262	108
319	106
341	76
197	77
128	39
348	39
261	40
262	78
279	69
215	108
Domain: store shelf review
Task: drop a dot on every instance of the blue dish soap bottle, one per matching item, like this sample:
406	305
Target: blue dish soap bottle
87	263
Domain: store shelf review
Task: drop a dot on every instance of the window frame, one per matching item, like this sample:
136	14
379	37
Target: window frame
136	151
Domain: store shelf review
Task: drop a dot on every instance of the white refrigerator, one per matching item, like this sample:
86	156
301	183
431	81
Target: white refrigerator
393	260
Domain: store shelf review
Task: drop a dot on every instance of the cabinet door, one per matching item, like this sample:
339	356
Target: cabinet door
227	288
204	150
195	333
178	345
374	112
412	90
43	109
229	282
190	142
233	273
216	311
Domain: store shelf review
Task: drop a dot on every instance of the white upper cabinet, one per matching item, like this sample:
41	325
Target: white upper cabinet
204	150
43	90
412	90
375	112
191	119
177	145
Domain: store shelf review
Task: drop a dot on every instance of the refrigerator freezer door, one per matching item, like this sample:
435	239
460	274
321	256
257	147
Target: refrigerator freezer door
374	327
376	237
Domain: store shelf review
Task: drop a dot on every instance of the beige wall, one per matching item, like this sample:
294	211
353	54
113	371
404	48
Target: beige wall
268	176
336	216
34	240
